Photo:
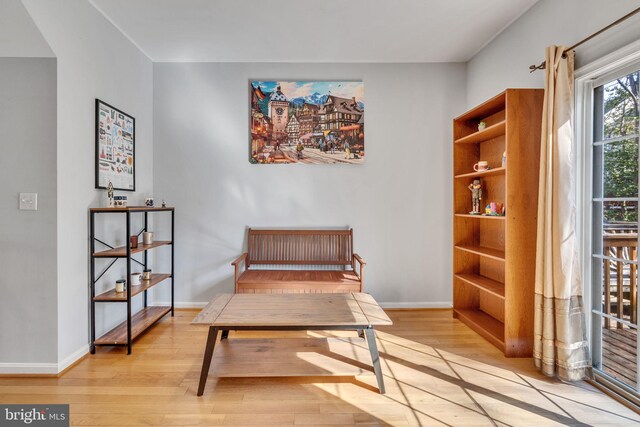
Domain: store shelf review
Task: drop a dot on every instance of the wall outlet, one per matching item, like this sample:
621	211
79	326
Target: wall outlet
28	201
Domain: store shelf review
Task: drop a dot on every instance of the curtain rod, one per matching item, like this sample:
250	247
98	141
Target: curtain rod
543	64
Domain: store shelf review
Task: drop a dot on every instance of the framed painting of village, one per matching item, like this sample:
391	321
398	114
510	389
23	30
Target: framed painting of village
308	122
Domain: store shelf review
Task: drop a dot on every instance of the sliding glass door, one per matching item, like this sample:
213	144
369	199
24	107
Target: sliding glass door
614	228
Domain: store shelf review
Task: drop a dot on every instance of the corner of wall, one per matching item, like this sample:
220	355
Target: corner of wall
122	74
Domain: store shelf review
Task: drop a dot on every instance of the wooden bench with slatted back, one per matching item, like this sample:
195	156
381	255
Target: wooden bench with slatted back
324	262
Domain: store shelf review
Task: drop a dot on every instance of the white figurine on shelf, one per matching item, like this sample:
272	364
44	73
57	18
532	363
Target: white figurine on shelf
476	196
110	194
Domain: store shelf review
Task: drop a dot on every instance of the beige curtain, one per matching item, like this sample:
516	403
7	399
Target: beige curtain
560	342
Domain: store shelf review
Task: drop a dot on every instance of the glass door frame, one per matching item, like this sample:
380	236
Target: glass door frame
587	78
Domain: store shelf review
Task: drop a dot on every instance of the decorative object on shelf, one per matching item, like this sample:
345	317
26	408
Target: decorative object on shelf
494	209
120	285
133	240
148	202
119	201
164	205
135	279
147	237
146	274
504	159
482	126
481	166
497	207
111	203
285	119
476	196
115	148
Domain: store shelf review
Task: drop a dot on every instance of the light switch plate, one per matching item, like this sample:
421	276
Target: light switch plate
28	201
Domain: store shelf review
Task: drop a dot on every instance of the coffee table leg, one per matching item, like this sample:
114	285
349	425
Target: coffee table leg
206	362
375	357
225	334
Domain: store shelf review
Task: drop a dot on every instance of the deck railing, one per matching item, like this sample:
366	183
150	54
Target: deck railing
623	246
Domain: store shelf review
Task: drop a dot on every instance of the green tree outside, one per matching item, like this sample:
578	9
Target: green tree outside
621	158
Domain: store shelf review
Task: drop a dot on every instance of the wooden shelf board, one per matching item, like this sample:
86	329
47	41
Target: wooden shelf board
490	172
140	322
487	108
134	209
481	216
121	252
484	135
488	327
483	251
483	283
268	357
113	296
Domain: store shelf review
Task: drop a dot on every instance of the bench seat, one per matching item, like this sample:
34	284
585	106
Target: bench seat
307	281
303	251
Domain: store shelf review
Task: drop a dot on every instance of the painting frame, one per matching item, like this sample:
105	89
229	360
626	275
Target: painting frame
274	141
123	143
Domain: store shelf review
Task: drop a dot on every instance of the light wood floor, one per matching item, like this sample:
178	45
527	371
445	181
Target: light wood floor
437	372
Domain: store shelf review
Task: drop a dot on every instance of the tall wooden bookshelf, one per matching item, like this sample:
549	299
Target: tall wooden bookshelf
494	256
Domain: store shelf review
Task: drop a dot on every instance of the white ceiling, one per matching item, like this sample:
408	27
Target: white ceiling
311	30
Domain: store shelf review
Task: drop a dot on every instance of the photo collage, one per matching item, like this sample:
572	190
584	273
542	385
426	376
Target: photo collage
115	148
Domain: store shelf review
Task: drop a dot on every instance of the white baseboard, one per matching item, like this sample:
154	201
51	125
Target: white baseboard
430	304
179	304
29	368
71	359
436	304
43	368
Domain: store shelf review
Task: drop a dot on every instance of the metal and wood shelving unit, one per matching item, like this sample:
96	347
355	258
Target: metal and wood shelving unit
494	256
135	324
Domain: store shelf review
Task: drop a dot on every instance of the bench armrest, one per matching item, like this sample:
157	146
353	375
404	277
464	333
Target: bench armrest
240	259
359	259
236	265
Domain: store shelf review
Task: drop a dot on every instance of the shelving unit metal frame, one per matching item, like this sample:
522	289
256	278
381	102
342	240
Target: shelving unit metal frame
127	252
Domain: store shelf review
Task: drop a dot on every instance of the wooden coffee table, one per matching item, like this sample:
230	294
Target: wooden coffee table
292	312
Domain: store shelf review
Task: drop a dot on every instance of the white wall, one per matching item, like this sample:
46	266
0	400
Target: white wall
94	61
505	61
28	268
19	36
398	201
